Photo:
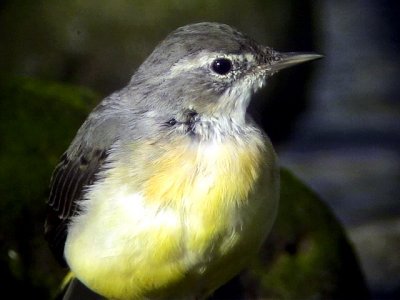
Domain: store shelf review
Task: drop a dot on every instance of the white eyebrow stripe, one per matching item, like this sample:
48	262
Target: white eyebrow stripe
205	58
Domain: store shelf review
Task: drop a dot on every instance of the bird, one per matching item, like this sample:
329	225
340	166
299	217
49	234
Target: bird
169	188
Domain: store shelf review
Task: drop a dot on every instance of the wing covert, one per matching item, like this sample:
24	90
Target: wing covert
69	180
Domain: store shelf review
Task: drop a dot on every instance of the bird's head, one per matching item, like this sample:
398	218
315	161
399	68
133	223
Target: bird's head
209	71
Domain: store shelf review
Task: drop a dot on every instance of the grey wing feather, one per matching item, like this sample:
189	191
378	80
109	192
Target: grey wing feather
68	183
76	171
85	158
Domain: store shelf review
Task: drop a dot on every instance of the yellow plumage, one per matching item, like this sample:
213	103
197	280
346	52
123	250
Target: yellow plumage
179	226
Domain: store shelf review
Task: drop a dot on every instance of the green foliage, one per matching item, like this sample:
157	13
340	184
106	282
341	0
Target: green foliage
307	255
37	121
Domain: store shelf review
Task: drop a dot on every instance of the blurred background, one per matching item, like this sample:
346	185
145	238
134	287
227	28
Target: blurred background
335	122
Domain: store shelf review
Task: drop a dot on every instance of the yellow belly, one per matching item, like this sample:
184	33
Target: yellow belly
175	224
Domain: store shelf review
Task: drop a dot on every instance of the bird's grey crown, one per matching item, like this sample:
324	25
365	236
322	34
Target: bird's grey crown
191	39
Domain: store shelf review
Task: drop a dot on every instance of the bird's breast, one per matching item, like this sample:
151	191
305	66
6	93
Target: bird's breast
174	212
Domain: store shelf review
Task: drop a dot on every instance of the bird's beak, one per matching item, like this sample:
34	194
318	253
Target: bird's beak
285	60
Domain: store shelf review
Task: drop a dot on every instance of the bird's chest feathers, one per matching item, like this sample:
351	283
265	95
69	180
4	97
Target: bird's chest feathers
206	184
203	177
203	185
183	211
195	192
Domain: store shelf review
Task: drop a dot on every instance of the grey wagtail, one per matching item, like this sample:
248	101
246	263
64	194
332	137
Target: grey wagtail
169	189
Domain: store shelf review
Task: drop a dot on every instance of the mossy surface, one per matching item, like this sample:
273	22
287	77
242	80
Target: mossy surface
311	255
37	122
307	255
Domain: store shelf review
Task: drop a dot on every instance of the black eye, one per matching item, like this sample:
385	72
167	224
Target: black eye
221	66
171	122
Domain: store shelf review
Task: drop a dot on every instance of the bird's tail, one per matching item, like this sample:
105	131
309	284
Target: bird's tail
73	289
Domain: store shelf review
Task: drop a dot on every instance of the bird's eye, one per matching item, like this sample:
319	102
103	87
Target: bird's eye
171	122
221	66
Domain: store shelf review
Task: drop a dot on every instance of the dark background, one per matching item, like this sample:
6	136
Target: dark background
335	122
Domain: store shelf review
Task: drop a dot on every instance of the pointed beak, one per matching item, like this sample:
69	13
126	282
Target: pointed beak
285	60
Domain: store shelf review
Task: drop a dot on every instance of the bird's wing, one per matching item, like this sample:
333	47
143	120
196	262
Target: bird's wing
77	170
69	180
